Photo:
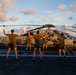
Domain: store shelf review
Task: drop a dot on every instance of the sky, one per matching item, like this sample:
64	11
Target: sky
37	12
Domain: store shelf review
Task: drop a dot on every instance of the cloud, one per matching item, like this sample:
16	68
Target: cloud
17	29
27	28
3	17
61	7
28	11
70	18
43	19
14	18
5	7
72	6
23	28
10	4
32	21
57	19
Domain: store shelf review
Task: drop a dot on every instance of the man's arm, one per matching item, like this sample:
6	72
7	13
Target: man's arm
31	37
44	36
4	32
21	33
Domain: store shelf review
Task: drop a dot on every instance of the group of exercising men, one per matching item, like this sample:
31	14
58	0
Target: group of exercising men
37	37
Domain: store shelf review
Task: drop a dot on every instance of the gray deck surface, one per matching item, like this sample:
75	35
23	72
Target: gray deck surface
52	64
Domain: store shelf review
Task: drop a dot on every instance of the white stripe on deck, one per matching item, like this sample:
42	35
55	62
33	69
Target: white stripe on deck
39	55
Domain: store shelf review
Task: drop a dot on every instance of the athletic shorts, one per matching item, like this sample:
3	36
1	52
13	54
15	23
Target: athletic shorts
38	45
12	45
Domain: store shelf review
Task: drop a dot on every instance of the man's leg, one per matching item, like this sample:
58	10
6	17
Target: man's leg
60	52
43	46
40	53
8	52
34	52
27	46
46	46
64	51
30	46
16	52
